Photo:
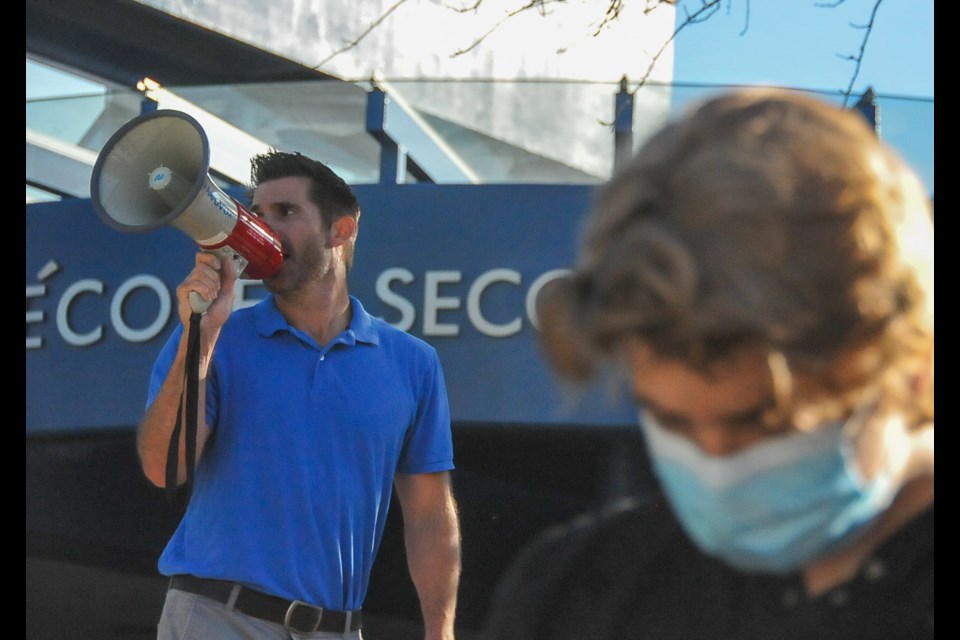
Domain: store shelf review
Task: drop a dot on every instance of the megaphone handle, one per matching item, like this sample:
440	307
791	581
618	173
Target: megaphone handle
198	304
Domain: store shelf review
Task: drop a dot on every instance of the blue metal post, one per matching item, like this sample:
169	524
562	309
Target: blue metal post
867	106
393	157
622	125
148	105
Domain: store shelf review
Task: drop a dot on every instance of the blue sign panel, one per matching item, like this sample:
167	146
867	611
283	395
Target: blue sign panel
457	265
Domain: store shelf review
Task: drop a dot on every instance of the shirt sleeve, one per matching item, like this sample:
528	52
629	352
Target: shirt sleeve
163	363
429	444
161	369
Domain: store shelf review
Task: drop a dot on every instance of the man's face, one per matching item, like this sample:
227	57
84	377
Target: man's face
758	491
285	207
733	406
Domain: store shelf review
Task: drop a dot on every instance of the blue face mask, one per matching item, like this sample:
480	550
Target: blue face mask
774	506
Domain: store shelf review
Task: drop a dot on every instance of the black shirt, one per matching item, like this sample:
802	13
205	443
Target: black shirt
630	572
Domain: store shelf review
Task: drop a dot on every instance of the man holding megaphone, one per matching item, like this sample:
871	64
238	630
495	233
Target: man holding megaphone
309	413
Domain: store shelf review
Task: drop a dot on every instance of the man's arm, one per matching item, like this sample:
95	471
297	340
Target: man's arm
431	531
156	428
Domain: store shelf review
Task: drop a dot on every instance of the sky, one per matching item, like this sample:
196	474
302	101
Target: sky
804	43
807	44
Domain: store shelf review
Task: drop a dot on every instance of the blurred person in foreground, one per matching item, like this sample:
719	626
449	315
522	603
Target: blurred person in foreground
312	414
761	275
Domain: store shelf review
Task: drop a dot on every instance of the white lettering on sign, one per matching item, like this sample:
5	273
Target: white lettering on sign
67	332
534	291
442	303
85	336
127	332
408	313
475	313
34	317
434	302
38	291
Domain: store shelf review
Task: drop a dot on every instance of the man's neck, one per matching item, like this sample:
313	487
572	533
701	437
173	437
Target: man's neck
323	313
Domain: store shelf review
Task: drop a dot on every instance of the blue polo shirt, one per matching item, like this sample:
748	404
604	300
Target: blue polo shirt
292	492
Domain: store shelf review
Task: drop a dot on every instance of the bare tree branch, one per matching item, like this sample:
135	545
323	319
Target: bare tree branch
363	35
858	59
611	15
540	5
746	18
706	10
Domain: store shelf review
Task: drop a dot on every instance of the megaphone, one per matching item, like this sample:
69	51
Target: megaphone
153	172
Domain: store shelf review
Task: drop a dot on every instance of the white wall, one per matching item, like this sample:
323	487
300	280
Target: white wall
419	39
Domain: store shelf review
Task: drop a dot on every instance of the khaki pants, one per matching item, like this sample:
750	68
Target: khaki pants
187	616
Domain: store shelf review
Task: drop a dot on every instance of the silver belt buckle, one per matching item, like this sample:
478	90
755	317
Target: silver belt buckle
289	615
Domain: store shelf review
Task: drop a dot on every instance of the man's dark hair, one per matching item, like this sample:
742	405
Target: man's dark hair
328	191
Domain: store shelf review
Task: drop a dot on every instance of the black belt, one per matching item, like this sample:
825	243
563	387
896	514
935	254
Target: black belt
294	615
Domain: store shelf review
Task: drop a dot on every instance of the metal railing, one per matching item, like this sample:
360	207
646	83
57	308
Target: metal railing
525	132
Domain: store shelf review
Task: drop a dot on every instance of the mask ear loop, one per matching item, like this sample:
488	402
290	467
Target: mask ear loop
783	391
863	411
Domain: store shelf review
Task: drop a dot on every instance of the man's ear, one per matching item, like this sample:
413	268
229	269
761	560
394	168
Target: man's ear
343	230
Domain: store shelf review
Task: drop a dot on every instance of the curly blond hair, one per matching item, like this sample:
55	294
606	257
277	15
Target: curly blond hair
763	217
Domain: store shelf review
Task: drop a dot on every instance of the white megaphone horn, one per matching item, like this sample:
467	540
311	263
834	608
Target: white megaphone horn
154	172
